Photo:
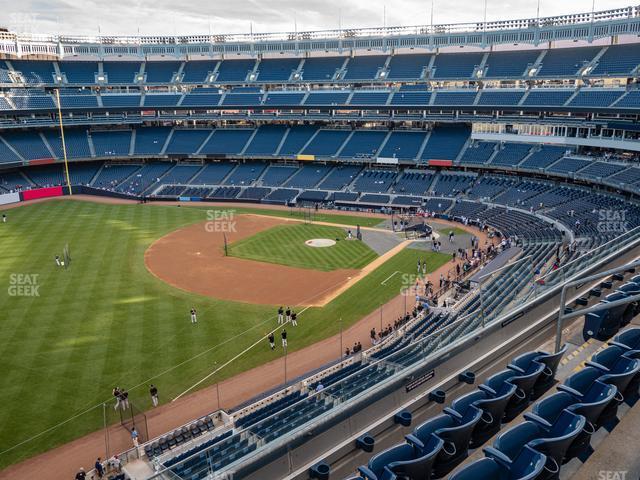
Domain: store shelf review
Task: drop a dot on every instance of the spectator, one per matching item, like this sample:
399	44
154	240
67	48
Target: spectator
134	437
81	475
99	468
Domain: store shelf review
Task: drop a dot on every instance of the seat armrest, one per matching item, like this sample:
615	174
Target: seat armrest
538	420
570	391
415	441
452	412
515	368
498	456
599	366
366	473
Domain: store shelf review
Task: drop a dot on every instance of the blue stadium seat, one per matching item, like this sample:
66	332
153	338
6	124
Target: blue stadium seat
528	465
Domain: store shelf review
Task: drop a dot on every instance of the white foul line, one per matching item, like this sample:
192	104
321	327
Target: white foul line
234	358
385	280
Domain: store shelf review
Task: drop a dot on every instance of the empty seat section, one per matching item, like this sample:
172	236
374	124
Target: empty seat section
288	98
408	67
121	72
544	157
297	137
456	65
509	64
369	98
266	140
242	99
112	175
161	100
595	98
197	71
245	174
213	174
275	175
186	141
326	143
374	181
403	145
321	68
418	99
150	140
566	62
28	144
500	97
511	154
308	176
161	72
111	143
35	72
116	100
81	73
75	139
364	67
445	142
226	142
618	60
455	98
201	97
340	177
478	153
234	70
363	144
551	98
327	98
277	69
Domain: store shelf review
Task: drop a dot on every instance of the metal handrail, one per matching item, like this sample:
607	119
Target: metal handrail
337	34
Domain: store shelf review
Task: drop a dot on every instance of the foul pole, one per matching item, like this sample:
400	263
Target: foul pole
64	146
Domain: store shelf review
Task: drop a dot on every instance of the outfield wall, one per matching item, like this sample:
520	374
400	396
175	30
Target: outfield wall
8	198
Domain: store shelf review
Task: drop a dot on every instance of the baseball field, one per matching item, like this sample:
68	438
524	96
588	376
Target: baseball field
117	317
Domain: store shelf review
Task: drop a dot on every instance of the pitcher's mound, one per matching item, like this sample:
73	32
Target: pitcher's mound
320	242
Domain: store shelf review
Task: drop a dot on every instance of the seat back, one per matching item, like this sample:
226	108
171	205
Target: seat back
527	465
629	338
421	466
582	380
559	438
552	360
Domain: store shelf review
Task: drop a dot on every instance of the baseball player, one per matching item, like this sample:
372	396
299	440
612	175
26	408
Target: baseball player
153	391
280	315
194	317
272	341
294	319
116	394
58	263
288	313
284	338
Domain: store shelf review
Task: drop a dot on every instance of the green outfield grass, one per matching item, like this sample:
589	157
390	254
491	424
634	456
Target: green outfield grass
106	321
456	231
285	245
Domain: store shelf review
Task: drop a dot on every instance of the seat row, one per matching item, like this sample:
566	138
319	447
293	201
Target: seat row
441	443
559	427
605	323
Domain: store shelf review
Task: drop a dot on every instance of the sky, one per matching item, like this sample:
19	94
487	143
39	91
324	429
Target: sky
171	17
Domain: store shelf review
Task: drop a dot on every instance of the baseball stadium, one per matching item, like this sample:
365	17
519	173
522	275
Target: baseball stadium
377	253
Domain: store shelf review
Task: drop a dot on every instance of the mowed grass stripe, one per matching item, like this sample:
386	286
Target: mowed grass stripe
106	321
285	245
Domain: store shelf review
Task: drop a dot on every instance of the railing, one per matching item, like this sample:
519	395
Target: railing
334	34
419	352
